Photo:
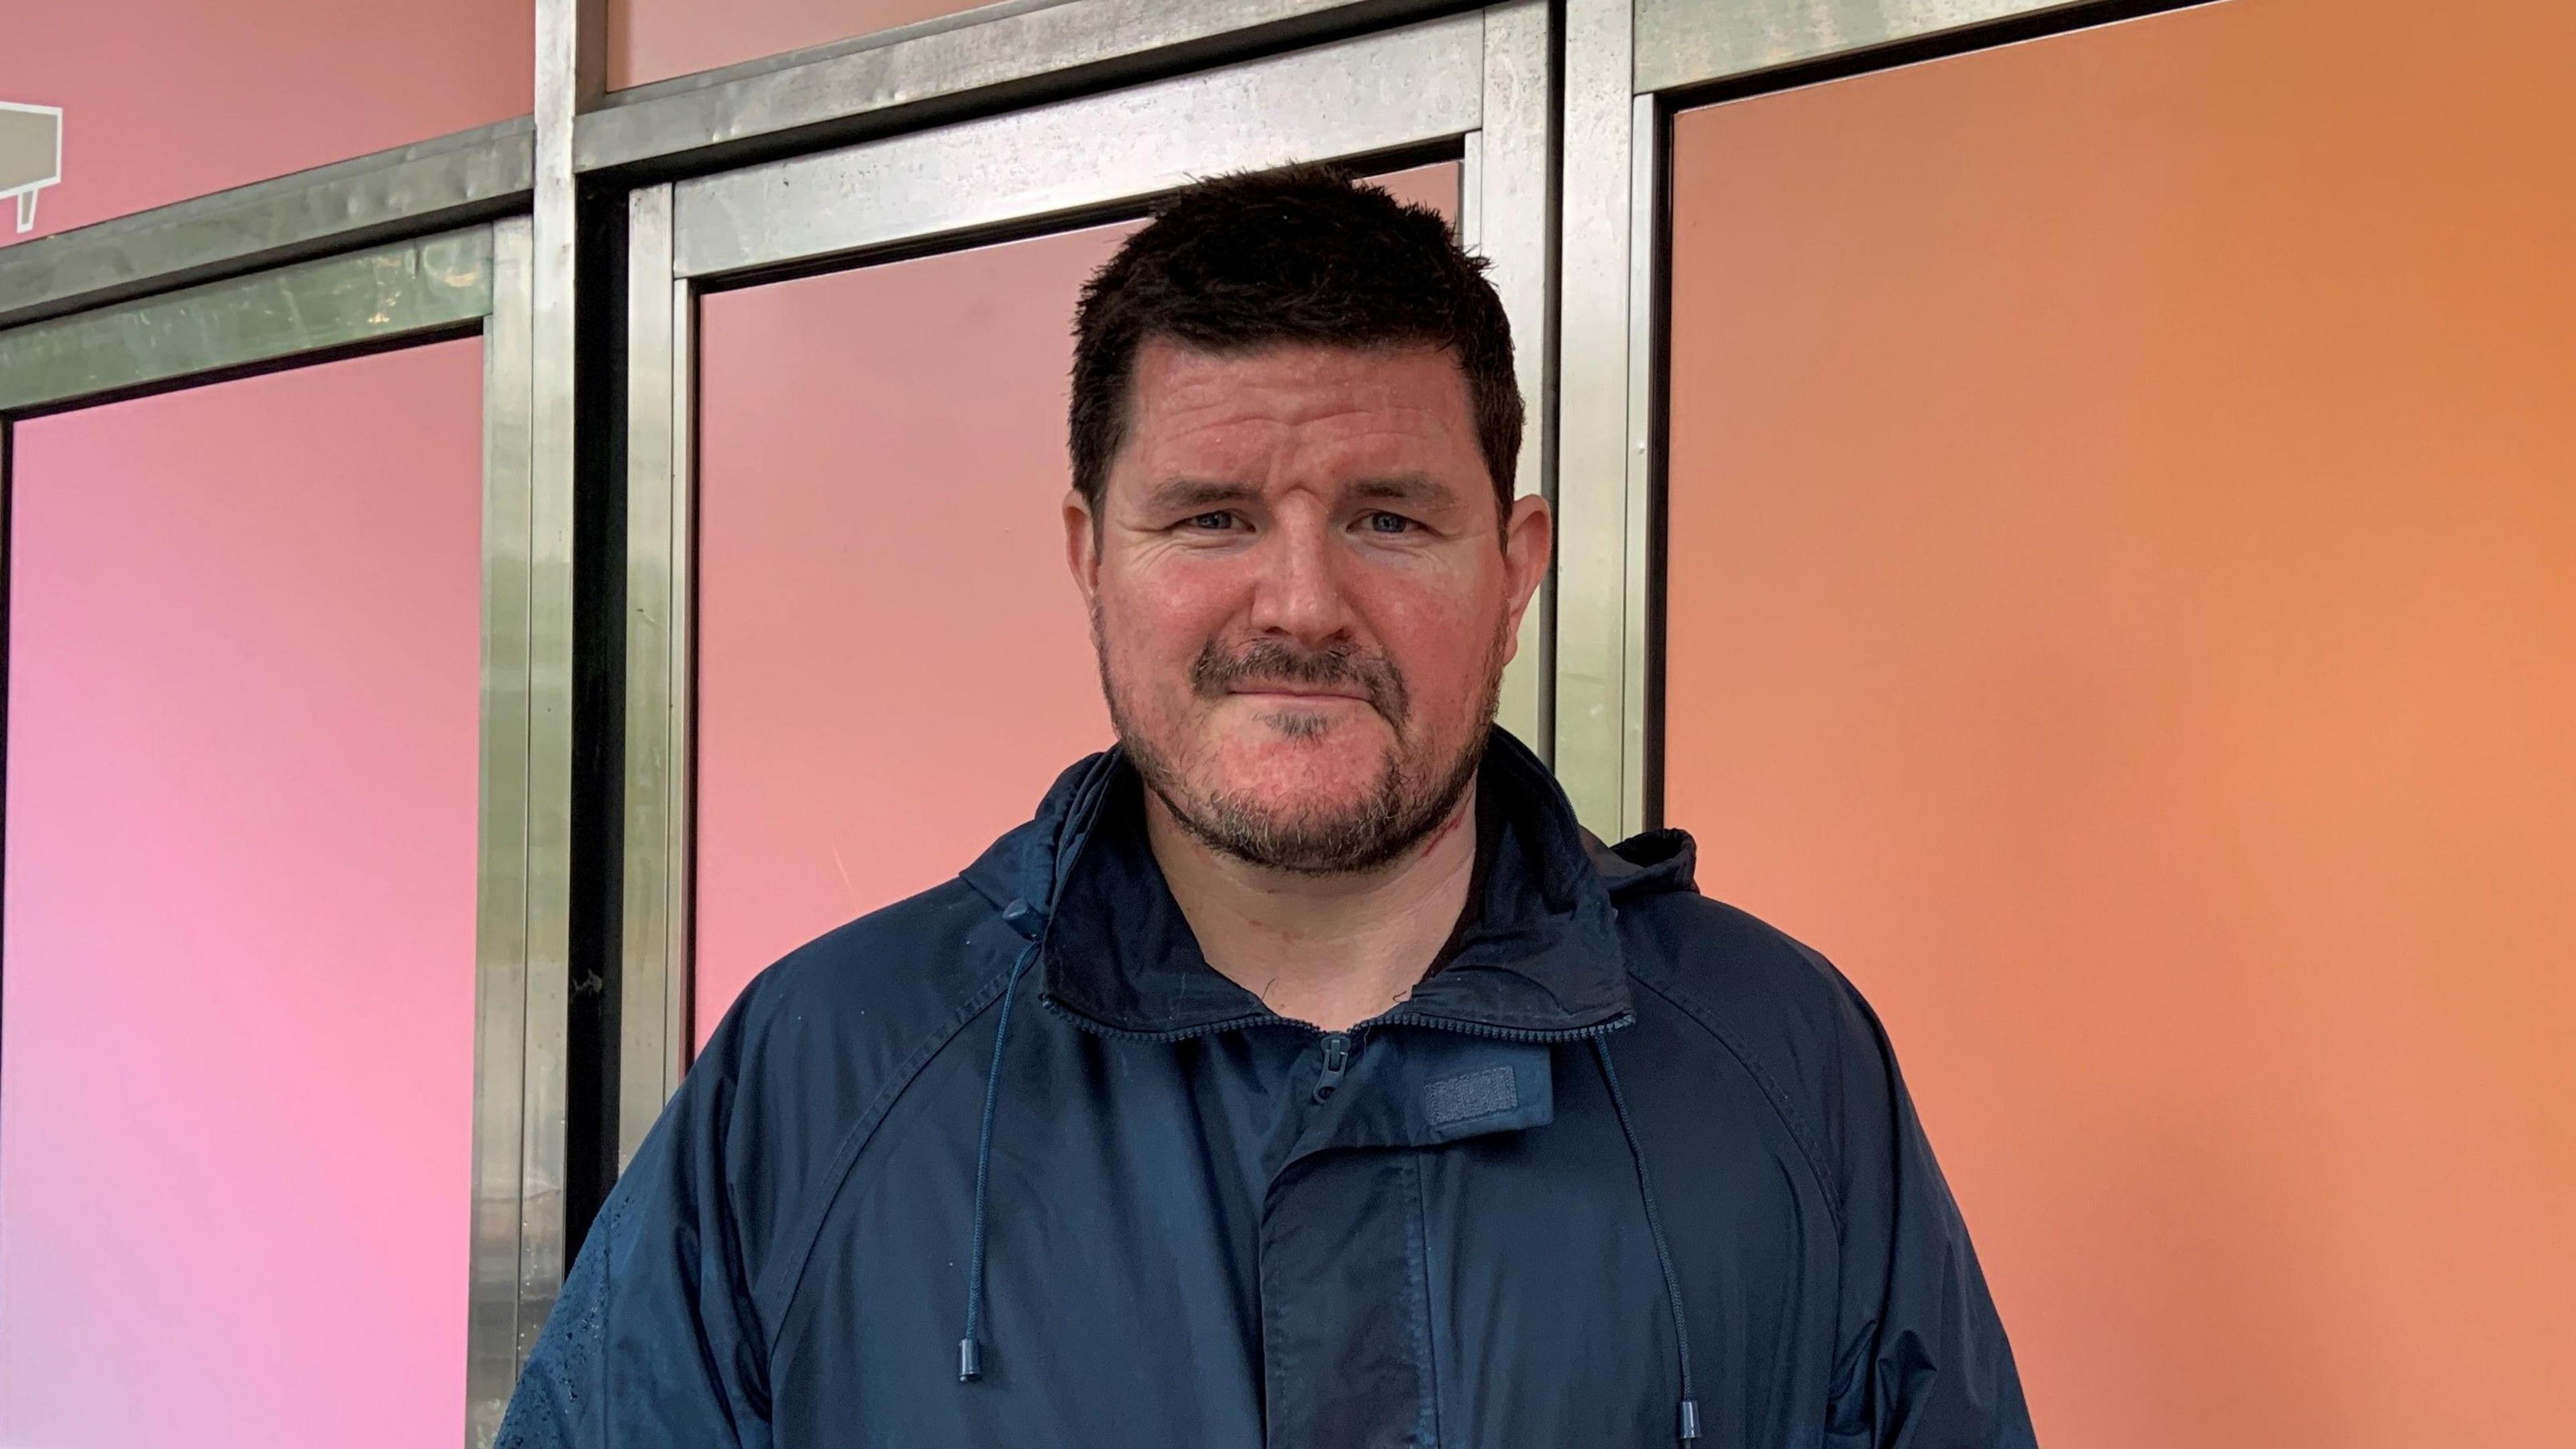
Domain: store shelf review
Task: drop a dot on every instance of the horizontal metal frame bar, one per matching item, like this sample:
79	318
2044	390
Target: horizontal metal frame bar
342	302
434	185
1689	42
1087	153
1006	54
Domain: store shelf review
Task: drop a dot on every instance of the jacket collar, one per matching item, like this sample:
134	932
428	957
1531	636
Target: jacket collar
1540	959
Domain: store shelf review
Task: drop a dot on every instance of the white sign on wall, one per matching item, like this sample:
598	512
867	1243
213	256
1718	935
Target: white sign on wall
31	155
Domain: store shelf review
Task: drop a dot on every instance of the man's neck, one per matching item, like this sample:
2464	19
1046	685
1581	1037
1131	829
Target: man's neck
1329	950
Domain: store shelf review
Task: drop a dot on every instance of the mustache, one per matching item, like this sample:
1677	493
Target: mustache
1271	661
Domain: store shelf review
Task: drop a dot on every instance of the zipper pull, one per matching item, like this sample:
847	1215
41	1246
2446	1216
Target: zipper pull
1337	1057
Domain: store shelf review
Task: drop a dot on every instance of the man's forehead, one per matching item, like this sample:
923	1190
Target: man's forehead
1206	427
1171	375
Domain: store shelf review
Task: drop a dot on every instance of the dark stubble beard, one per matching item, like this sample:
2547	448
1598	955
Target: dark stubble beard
1409	800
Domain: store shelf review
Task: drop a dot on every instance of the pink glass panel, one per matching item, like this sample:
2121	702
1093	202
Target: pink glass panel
168	99
650	40
892	661
236	1086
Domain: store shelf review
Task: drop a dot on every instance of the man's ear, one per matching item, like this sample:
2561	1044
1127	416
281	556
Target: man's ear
1529	541
1081	544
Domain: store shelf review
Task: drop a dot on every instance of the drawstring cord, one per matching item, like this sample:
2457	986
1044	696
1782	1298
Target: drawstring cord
1026	919
1688	1417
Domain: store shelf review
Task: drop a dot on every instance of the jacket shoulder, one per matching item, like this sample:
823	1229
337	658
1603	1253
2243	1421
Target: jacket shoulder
828	1034
890	974
1770	1002
817	1049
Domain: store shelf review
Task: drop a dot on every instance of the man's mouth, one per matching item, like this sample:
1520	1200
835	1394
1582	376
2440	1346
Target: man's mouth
1298	693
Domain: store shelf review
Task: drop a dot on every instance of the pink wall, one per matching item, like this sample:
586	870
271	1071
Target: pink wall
2123	607
167	99
650	40
892	661
238	962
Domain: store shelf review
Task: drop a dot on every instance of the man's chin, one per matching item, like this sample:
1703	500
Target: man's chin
1268	722
1326	772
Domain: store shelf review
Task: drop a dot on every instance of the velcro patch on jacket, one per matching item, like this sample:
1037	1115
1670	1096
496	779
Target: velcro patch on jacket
1471	1094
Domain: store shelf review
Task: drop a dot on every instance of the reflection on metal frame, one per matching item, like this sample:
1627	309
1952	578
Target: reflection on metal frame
1024	53
1507	212
518	1061
654	1026
432	186
1593	447
437	282
1408	89
1640	804
521	1155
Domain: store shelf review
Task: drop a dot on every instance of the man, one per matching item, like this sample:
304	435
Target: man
1302	1074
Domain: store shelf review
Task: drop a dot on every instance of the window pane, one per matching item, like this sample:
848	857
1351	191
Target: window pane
2120	608
236	1087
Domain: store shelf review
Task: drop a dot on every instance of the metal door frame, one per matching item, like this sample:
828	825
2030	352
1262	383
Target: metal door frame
1630	66
1475	86
454	284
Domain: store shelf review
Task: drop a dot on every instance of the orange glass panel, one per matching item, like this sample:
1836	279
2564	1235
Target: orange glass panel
2122	607
167	99
236	1087
650	40
893	663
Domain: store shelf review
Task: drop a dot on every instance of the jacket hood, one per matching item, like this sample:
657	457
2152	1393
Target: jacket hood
1541	956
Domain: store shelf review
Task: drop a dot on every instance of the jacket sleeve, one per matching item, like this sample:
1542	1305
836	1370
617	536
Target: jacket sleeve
1923	1361
654	1340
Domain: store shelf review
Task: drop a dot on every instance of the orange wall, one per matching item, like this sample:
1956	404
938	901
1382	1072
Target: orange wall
2123	608
167	99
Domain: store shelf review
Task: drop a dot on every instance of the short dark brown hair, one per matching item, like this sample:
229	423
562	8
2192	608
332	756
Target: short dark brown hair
1300	255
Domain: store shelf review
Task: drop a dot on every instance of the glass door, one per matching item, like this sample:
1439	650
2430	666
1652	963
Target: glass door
854	657
277	1049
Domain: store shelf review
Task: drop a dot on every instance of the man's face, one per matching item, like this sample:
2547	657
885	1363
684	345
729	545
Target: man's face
1302	595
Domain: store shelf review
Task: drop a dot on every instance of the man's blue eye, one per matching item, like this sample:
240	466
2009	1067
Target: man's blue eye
1389	523
1212	520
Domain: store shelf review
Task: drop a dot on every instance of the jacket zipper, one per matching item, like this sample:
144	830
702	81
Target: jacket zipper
1337	1058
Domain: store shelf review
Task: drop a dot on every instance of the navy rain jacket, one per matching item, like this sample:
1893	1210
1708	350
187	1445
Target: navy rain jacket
1626	1158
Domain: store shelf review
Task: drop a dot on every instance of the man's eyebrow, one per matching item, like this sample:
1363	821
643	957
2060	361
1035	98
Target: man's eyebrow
1196	493
1403	488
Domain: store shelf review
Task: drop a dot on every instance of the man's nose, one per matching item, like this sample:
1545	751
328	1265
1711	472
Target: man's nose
1298	589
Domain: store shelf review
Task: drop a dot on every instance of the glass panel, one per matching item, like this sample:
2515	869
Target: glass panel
168	99
893	663
236	1087
650	40
2120	609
